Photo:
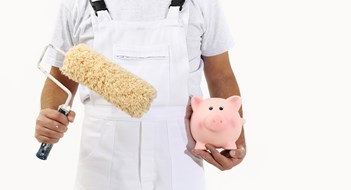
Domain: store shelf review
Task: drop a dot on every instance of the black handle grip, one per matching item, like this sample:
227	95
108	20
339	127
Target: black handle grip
44	149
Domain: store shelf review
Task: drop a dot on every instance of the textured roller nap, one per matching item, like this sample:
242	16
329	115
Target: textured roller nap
118	86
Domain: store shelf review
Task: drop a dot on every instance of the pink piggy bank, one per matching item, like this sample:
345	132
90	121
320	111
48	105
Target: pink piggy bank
216	121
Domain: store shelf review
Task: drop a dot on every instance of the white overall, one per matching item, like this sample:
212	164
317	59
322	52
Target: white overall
123	153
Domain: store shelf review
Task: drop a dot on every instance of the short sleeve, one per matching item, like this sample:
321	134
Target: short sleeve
217	37
62	36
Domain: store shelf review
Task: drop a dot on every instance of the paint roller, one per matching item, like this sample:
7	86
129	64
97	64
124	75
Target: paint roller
115	84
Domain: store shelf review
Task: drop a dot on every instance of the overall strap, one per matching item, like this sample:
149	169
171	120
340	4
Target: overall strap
177	3
100	9
175	8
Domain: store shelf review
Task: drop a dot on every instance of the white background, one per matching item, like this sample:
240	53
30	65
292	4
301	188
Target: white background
292	61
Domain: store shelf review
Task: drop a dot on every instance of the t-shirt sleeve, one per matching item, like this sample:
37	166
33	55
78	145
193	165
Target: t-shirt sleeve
62	36
217	37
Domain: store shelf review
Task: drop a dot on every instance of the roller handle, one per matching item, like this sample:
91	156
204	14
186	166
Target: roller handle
45	149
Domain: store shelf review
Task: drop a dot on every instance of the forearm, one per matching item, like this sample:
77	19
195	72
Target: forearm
222	83
224	86
52	95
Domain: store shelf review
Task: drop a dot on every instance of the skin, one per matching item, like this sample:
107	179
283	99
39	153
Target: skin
222	84
51	125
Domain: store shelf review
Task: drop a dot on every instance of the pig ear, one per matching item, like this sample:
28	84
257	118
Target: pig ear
236	101
195	102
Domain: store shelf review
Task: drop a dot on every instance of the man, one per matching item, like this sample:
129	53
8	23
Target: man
173	42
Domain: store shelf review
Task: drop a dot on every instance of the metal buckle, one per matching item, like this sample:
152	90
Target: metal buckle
98	6
177	3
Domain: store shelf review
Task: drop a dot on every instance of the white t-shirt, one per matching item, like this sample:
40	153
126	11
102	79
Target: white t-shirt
208	33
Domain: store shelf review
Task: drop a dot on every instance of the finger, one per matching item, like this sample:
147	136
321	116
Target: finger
208	158
71	116
47	140
189	110
49	133
224	161
226	153
234	161
51	124
55	115
238	153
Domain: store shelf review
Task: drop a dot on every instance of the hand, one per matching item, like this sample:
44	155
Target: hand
223	160
51	125
189	111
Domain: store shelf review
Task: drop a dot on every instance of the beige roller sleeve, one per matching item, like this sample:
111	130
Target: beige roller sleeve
118	86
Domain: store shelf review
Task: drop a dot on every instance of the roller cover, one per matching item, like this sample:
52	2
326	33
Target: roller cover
115	84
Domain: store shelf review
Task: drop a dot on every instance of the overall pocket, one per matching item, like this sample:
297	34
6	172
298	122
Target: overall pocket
94	134
150	63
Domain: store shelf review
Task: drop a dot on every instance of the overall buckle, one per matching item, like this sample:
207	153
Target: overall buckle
99	5
177	3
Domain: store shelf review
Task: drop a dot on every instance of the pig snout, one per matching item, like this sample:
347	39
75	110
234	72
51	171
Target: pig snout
214	123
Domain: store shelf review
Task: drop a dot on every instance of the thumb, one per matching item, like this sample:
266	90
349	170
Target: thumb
238	153
71	116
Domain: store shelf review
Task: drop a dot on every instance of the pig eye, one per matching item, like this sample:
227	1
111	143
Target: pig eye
221	108
210	108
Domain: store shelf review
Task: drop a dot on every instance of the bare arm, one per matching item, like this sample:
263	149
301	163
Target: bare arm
52	96
222	83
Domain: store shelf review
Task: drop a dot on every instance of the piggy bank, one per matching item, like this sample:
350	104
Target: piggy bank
216	121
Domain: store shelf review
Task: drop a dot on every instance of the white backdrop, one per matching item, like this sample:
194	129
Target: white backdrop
292	61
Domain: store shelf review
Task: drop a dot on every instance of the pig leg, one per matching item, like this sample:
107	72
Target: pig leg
230	146
200	146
